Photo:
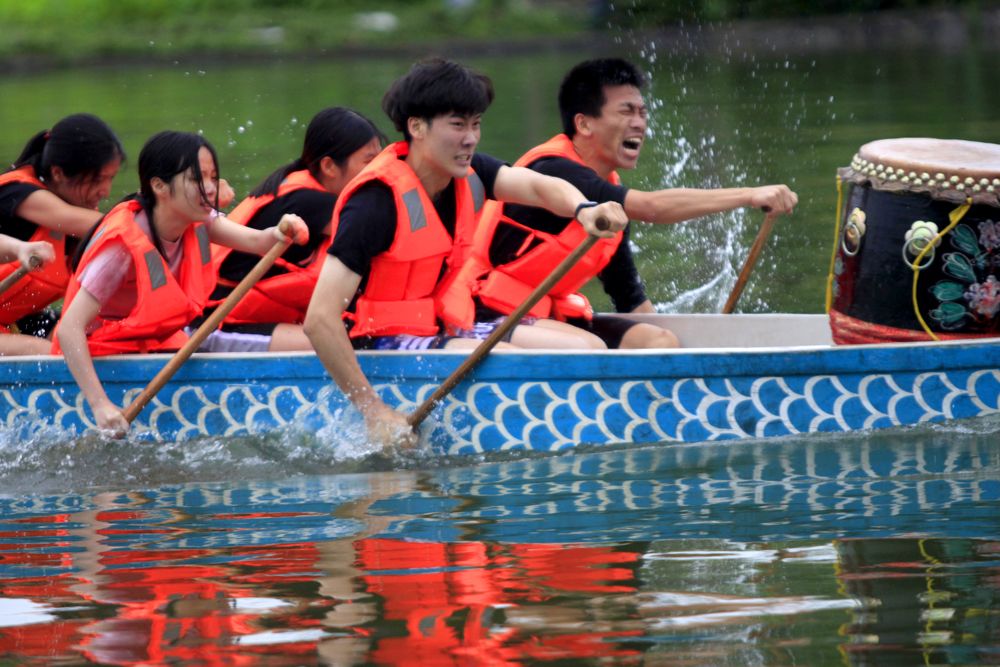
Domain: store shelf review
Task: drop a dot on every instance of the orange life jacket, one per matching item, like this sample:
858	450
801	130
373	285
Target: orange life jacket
164	304
38	288
280	298
504	288
399	297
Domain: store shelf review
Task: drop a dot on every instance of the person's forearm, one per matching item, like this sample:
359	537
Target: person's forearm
679	204
329	338
518	185
9	248
558	196
47	210
225	232
73	342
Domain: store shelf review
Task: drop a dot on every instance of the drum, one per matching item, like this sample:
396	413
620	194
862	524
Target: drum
918	242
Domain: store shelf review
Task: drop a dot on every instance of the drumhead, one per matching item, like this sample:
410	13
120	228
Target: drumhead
950	169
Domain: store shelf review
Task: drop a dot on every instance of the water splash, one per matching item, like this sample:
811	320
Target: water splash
708	86
40	458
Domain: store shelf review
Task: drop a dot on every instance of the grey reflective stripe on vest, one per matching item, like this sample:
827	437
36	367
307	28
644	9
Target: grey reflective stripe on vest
415	210
154	265
203	244
98	234
478	191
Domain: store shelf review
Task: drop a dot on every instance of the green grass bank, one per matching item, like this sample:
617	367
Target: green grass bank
56	33
74	32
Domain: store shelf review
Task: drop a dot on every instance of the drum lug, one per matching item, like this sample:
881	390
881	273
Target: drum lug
920	234
854	231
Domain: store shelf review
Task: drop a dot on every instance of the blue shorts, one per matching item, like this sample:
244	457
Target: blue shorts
483	330
407	342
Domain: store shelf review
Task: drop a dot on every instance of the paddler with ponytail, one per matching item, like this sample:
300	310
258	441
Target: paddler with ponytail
50	192
146	270
604	127
405	221
338	143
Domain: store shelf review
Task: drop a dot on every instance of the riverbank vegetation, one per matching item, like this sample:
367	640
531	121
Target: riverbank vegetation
69	32
76	31
647	13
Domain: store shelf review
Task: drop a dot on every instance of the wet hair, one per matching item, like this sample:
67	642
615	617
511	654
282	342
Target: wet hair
435	87
336	133
164	155
80	145
582	90
167	154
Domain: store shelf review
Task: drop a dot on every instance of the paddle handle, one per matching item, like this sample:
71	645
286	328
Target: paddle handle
34	262
208	326
751	260
420	414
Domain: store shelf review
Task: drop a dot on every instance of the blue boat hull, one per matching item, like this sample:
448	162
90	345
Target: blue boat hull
544	401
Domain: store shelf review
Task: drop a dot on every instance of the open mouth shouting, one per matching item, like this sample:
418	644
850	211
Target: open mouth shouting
632	145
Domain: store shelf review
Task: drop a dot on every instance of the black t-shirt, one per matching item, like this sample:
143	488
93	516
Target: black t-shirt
620	278
367	224
11	196
315	207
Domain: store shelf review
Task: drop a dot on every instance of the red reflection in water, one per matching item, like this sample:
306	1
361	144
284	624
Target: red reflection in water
447	596
377	600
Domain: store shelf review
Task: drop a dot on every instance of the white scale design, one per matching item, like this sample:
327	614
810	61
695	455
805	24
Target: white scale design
552	416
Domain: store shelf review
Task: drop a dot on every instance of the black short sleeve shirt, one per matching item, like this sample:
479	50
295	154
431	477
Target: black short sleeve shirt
367	224
12	195
620	278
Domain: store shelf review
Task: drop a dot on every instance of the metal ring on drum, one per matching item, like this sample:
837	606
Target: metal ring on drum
918	254
852	235
854	232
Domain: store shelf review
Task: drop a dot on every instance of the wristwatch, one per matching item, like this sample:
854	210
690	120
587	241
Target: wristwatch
583	205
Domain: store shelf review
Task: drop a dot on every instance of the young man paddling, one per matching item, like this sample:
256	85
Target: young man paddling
604	127
406	221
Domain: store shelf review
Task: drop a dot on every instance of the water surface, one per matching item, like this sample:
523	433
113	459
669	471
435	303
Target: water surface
880	549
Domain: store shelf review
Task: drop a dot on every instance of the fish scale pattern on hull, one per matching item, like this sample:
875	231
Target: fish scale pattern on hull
542	402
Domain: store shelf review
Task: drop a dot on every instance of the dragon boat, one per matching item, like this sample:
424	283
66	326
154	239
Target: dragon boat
911	335
737	376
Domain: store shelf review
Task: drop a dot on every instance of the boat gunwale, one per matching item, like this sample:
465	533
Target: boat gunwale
920	356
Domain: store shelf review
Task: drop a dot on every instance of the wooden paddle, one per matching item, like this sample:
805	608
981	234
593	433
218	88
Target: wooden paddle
21	272
207	327
512	320
751	260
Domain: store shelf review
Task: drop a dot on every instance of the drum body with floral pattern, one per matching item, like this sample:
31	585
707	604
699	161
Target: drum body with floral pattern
918	242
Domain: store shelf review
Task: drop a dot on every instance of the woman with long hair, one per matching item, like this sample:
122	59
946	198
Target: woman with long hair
146	271
50	192
338	144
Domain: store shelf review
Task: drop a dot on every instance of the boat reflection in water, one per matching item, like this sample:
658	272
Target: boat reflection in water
883	549
932	601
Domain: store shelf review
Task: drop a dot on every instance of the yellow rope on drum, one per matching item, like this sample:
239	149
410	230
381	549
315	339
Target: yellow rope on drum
836	239
955	217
